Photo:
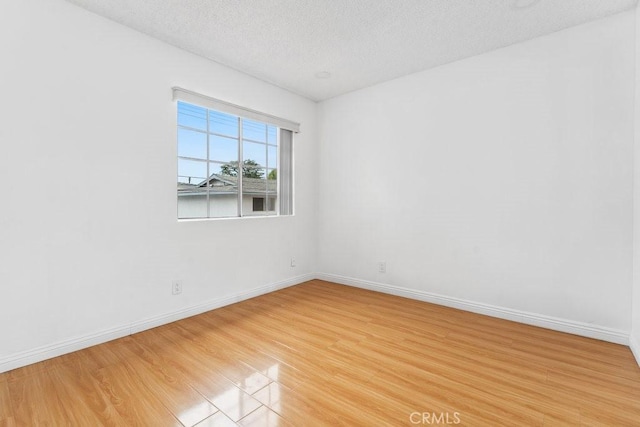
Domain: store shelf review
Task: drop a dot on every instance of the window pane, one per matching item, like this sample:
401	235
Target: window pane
192	201
255	152
272	160
272	188
225	169
192	144
254	130
258	204
255	182
191	171
271	201
223	149
192	116
223	123
223	194
254	172
225	173
272	135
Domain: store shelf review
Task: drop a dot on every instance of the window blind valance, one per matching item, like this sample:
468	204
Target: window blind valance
180	94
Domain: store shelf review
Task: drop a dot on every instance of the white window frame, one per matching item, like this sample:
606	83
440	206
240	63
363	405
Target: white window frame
285	130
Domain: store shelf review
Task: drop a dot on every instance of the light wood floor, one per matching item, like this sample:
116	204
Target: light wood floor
324	354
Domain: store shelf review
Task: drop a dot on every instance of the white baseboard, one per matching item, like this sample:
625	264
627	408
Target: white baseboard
634	345
548	322
39	354
163	319
78	343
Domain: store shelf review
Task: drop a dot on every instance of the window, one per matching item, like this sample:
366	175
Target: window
232	162
258	204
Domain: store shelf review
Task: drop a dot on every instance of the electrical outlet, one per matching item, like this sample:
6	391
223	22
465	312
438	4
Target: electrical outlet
293	262
382	266
176	287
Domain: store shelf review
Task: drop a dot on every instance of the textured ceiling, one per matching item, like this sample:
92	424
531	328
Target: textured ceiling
360	43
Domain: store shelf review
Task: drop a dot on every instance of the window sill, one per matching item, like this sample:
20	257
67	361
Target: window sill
233	218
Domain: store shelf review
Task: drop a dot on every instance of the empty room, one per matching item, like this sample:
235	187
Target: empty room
320	213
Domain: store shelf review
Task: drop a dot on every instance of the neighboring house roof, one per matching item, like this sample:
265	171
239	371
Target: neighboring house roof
225	184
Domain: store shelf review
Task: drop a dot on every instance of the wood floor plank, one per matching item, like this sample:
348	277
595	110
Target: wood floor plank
34	399
217	420
165	383
83	399
204	371
293	407
264	417
606	417
428	398
35	368
322	354
447	382
6	413
133	401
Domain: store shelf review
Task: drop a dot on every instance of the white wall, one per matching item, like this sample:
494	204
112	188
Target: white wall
635	321
503	179
89	241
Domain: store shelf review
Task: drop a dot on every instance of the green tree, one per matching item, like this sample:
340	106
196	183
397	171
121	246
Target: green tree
273	174
249	169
